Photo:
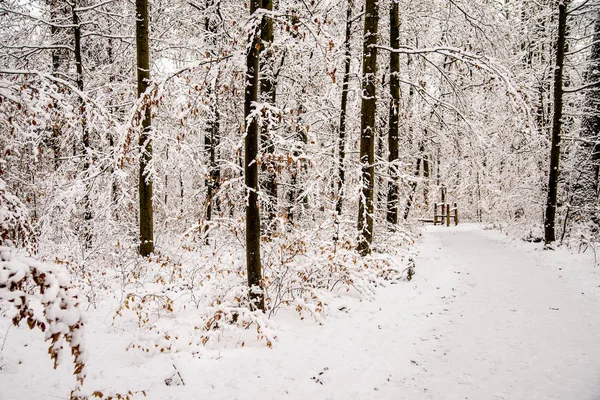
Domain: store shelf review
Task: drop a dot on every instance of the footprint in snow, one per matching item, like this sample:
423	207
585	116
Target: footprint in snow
320	378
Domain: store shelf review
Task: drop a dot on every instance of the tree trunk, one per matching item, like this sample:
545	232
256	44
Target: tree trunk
367	136
111	137
250	165
392	200
212	137
413	185
212	140
267	90
57	55
295	192
479	208
343	111
145	142
426	177
550	215
367	125
87	214
438	161
166	185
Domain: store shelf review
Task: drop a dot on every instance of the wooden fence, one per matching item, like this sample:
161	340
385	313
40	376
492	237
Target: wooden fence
443	213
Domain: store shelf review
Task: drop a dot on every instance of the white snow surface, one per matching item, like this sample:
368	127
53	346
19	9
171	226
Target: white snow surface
485	317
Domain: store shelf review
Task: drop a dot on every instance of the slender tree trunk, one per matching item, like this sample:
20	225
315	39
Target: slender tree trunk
393	134
479	208
413	190
294	193
380	186
87	214
550	215
145	142
166	186
181	193
526	42
367	137
426	177
57	55
268	93
111	138
212	137
343	111
438	162
250	165
544	57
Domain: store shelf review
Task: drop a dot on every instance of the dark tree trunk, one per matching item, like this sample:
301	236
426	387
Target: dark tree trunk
413	190
212	140
367	137
295	192
438	162
268	93
343	111
479	209
393	135
166	186
87	213
111	138
251	167
181	193
426	177
212	137
145	142
550	215
56	14
367	125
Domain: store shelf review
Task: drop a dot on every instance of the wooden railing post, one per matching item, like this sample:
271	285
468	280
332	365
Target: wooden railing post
435	214
448	214
455	214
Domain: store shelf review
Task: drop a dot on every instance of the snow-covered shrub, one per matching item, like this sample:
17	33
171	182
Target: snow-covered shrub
40	295
15	228
197	295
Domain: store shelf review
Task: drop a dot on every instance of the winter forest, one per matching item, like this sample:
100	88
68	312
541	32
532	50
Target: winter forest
329	199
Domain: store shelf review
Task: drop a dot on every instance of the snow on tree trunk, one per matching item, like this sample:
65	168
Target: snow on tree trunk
368	128
551	202
253	264
146	212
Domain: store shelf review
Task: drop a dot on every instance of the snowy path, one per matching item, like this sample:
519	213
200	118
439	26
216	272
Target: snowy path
484	318
522	326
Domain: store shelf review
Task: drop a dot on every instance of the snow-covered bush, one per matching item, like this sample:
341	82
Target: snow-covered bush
40	295
197	295
15	228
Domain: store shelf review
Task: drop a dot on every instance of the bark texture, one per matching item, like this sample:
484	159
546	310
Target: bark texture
87	213
268	94
145	142
253	263
212	136
367	125
393	134
550	214
343	111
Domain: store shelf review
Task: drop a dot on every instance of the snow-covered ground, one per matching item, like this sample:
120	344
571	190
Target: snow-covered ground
485	317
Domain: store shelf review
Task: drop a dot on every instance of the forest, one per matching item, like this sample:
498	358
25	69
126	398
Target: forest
182	173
